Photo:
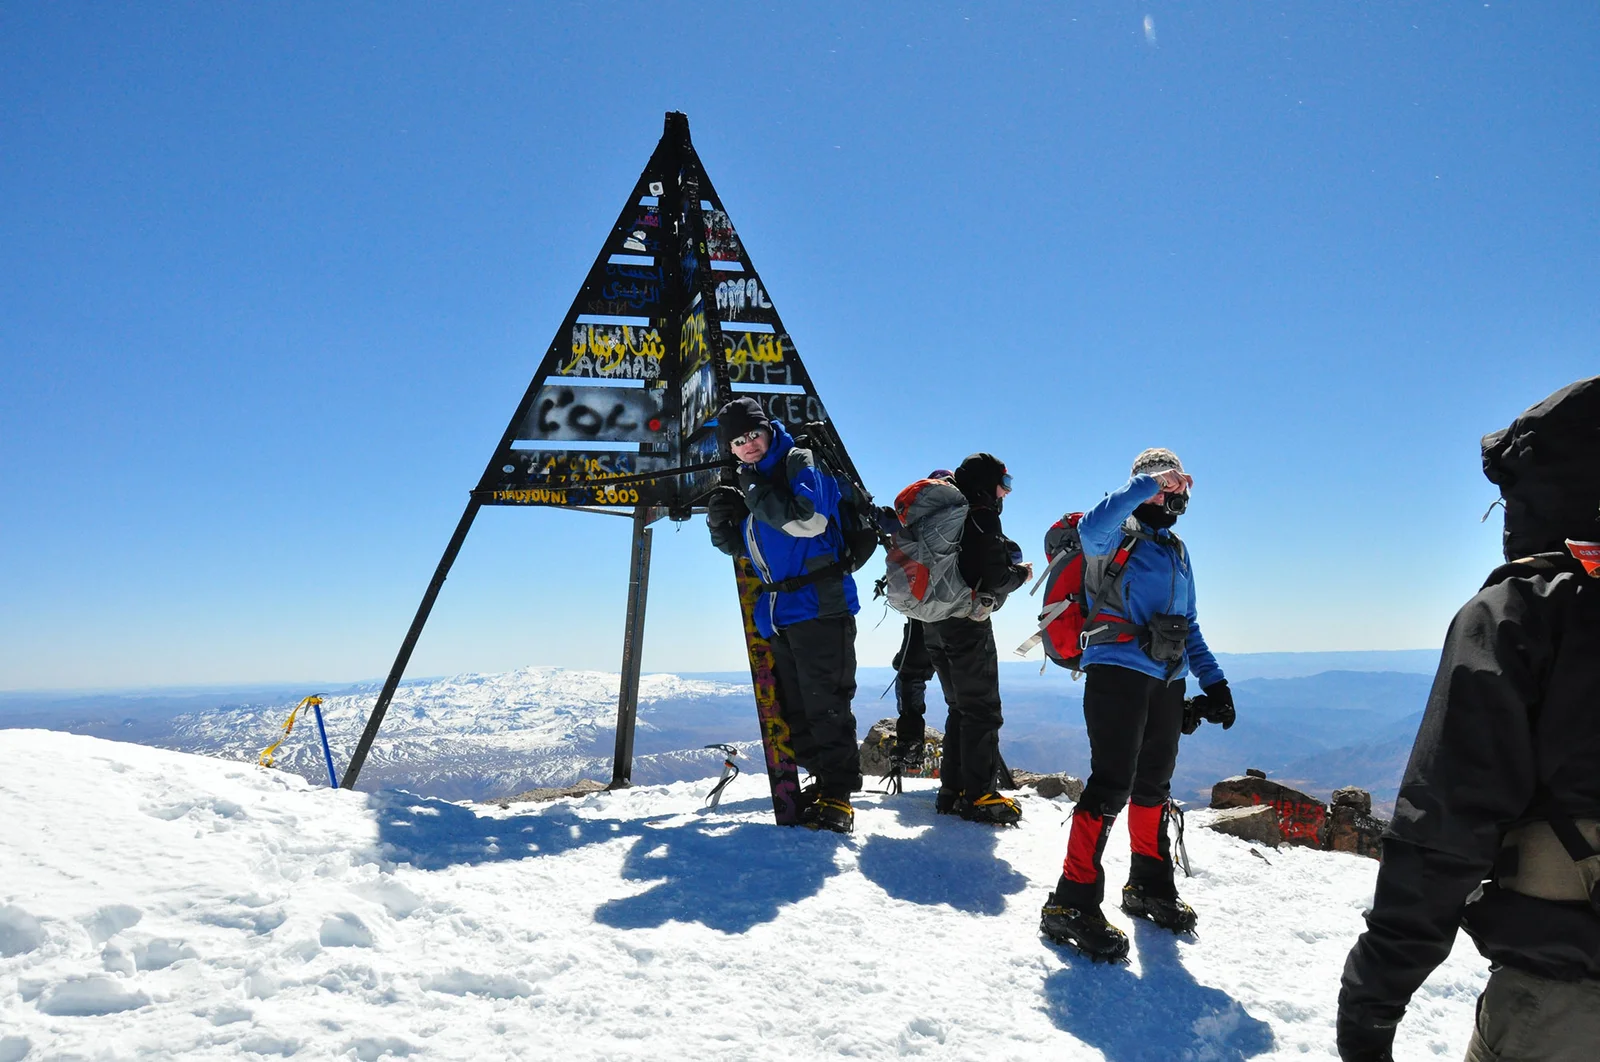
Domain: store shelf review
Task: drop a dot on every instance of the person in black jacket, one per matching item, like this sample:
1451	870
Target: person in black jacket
1499	811
963	652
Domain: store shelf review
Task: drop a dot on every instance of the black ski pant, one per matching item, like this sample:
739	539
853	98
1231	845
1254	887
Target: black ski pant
913	667
1134	723
816	672
964	657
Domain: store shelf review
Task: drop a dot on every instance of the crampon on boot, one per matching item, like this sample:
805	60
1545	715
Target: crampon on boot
945	802
1168	913
830	814
1085	929
992	809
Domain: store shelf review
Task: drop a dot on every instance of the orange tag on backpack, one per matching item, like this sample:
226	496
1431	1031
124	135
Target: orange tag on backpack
1588	554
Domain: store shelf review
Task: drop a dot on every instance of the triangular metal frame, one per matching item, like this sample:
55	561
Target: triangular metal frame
671	322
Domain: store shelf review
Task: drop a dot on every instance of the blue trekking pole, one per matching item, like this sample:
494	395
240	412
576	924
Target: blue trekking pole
270	751
327	753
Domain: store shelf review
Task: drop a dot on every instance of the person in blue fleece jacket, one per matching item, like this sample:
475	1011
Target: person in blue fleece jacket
1141	640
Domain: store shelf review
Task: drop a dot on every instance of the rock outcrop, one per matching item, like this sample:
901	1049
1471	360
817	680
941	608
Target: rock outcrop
1049	785
1258	823
1351	825
1302	818
1348	826
879	746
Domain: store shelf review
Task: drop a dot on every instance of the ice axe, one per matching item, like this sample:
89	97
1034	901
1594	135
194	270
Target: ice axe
730	770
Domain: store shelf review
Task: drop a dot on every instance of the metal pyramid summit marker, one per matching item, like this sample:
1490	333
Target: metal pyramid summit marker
671	322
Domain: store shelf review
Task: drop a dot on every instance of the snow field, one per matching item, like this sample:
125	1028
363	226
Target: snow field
155	904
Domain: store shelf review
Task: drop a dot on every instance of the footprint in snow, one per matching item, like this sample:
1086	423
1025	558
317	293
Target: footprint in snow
20	933
345	930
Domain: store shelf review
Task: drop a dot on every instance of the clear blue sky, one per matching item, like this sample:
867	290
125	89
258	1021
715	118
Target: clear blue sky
274	276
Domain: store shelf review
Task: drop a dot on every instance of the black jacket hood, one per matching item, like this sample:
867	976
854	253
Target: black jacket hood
977	477
1547	466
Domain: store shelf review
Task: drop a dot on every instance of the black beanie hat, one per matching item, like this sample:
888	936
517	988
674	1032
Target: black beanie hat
978	476
738	417
1547	466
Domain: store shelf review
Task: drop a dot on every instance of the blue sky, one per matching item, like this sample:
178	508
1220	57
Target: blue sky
273	278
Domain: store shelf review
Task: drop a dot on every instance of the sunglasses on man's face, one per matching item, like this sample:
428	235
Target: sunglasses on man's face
1005	482
747	438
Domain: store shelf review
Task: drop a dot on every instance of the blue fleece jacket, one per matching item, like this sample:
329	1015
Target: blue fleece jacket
1158	578
793	528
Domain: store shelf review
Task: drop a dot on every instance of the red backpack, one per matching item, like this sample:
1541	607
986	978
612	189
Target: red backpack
1066	610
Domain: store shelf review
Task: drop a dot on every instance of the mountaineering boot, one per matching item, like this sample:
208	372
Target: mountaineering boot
831	814
1168	913
909	758
992	809
1085	929
945	802
807	797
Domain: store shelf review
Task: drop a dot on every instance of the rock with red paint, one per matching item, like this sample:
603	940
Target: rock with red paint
1351	825
1257	823
1302	818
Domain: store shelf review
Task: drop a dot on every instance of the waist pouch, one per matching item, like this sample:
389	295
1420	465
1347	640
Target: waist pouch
1168	636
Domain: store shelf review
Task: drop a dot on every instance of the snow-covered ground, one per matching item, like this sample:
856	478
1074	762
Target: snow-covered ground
160	905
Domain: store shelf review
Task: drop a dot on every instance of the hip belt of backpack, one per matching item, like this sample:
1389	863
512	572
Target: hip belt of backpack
1555	858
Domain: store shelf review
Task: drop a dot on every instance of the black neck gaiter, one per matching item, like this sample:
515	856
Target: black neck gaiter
1154	516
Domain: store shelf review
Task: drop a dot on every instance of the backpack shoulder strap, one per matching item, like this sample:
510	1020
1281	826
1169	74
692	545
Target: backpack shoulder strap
1119	561
1546	564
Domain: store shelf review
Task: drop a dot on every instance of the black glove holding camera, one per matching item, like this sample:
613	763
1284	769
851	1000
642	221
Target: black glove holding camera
724	506
1219	704
1215	705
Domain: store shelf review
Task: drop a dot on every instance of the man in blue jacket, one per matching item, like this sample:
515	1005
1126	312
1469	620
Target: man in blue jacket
1142	638
785	518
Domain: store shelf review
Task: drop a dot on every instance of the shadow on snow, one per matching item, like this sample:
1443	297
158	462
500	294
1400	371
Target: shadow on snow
726	876
953	863
1161	1015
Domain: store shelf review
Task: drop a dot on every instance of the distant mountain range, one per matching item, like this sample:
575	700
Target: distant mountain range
482	736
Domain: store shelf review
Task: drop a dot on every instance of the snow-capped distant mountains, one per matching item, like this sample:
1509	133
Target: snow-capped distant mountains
484	736
481	736
467	737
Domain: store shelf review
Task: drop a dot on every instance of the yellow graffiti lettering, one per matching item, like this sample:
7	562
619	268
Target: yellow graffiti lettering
754	347
692	349
616	351
532	496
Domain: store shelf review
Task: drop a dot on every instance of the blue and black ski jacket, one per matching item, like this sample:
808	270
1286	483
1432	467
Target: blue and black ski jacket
792	529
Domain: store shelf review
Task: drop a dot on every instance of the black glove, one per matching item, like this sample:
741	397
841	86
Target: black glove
1194	710
1363	1043
725	506
1219	704
888	520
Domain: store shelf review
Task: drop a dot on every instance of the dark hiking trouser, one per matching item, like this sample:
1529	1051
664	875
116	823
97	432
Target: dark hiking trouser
913	667
1524	1016
964	657
1134	723
816	672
